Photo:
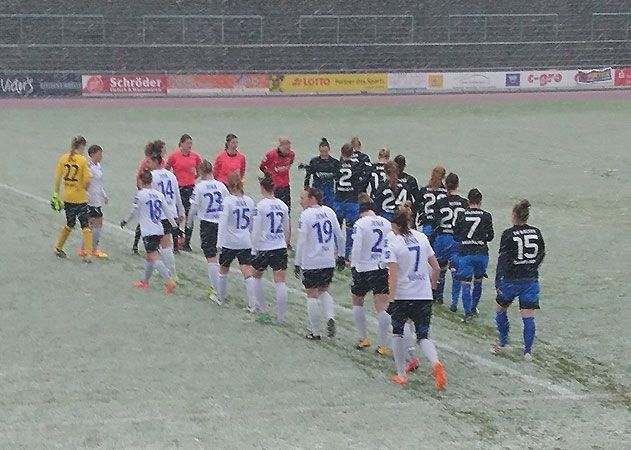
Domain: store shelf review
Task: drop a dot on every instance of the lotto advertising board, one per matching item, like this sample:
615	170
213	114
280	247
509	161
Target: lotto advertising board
323	83
124	85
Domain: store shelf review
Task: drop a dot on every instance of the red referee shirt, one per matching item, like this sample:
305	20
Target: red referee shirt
184	167
225	164
277	166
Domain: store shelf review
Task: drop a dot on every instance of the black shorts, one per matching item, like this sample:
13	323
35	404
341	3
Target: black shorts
94	212
419	311
208	238
166	225
317	278
276	259
244	256
76	211
284	194
185	193
152	243
364	282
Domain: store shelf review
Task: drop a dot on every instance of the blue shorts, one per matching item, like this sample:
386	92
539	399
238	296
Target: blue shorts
346	211
526	289
447	250
472	266
427	230
386	215
328	194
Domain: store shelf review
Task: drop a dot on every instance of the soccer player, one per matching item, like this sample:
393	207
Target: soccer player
277	163
367	275
363	160
390	194
183	162
521	252
473	230
206	203
96	198
378	175
230	160
446	215
318	235
348	184
321	173
149	206
164	181
270	238
72	168
409	258
234	238
411	185
429	195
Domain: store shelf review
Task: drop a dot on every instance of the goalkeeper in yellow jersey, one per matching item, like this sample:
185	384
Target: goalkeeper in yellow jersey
72	169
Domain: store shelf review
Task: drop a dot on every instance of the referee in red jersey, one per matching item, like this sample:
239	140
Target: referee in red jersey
183	162
276	163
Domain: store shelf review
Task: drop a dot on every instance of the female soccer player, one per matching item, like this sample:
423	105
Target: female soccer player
234	238
321	173
473	230
149	206
96	198
72	167
390	194
364	164
521	252
368	241
276	163
316	251
411	184
230	160
410	257
164	181
347	189
206	203
429	195
270	238
378	175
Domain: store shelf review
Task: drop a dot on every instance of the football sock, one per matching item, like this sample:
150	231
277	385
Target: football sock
250	289
87	239
501	322
313	316
429	350
96	236
281	300
63	236
327	305
148	271
399	350
188	233
440	288
162	270
213	275
409	336
477	294
349	241
260	294
137	236
529	333
455	290
222	285
169	259
383	321
466	298
359	317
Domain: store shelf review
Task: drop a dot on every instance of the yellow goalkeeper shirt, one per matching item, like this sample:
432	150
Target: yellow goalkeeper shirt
74	172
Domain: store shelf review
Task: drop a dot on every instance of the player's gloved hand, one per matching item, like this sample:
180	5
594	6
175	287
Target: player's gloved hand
123	223
297	271
340	263
55	203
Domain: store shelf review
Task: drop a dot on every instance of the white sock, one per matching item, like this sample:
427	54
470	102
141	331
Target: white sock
222	285
327	305
409	336
250	289
148	270
313	314
359	316
281	301
429	350
261	301
213	275
162	270
96	235
169	259
383	321
399	350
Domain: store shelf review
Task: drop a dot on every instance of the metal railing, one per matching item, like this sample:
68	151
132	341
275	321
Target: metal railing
548	20
65	21
626	18
373	20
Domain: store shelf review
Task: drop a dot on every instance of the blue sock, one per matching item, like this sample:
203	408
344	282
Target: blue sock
455	290
477	293
529	333
349	241
466	298
440	288
501	321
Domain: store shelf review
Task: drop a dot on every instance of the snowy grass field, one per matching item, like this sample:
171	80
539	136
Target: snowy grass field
89	362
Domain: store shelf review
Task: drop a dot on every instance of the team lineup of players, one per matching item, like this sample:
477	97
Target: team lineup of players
400	239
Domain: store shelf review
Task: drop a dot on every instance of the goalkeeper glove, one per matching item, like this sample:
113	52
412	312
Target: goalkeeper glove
123	223
55	203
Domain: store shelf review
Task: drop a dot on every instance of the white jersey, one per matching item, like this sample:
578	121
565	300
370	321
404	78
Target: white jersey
164	181
96	193
369	235
149	206
410	253
271	222
318	235
235	223
207	201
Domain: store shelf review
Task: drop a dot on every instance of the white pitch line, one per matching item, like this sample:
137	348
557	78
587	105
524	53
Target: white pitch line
477	359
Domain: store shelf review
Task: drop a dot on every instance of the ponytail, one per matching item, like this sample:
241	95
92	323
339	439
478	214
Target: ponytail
437	177
392	174
522	210
75	144
403	218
